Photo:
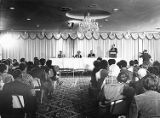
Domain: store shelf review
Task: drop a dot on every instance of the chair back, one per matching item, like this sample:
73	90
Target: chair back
119	107
17	101
37	84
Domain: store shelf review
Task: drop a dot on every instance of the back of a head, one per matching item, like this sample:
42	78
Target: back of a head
3	67
131	63
122	63
35	58
42	61
154	70
96	64
36	62
99	58
142	72
111	61
156	63
22	60
49	62
16	73
136	62
104	64
22	66
150	82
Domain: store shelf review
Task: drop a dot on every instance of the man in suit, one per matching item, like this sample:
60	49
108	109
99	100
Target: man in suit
113	52
78	55
91	54
61	55
17	87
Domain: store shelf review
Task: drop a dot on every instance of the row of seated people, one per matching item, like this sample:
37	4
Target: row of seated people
137	85
77	55
21	80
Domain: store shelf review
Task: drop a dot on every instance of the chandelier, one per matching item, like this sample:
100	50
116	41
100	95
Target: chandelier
88	19
88	24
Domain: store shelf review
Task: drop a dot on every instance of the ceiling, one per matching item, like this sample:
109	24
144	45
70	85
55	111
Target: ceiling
133	15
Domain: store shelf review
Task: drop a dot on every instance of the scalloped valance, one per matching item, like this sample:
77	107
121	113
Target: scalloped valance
89	36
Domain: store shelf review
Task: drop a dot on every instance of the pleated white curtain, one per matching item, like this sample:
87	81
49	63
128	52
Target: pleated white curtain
49	48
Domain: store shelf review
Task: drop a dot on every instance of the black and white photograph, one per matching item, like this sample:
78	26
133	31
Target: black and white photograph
79	58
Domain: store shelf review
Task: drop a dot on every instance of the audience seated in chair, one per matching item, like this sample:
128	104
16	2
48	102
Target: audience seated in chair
131	65
113	68
116	91
102	73
13	89
147	104
123	66
4	76
137	83
26	78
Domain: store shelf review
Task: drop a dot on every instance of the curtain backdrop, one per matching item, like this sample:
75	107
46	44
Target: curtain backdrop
47	45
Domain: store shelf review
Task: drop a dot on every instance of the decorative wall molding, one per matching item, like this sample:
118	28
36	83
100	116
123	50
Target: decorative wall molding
89	36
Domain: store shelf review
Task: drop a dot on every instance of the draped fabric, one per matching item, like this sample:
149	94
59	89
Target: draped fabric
48	44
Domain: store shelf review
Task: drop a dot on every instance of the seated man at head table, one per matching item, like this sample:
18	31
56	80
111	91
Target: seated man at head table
78	55
91	54
61	55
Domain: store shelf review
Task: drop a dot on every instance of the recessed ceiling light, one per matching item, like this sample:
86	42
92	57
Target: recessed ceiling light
11	8
106	20
28	19
37	25
115	9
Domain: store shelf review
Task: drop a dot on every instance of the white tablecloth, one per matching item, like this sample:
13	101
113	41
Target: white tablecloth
75	63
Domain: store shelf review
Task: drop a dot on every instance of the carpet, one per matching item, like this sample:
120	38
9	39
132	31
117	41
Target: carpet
70	100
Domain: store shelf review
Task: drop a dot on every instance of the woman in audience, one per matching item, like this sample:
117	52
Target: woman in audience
131	65
52	74
42	63
116	91
26	78
4	76
113	68
147	105
15	64
102	73
123	66
30	66
137	83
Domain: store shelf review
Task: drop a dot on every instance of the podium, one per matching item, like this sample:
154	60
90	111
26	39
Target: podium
112	54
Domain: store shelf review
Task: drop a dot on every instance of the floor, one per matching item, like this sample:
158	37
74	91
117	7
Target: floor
70	100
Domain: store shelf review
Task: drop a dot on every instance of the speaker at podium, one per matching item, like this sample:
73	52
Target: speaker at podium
113	52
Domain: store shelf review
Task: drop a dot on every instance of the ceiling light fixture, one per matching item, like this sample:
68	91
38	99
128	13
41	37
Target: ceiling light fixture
11	8
115	9
28	19
89	19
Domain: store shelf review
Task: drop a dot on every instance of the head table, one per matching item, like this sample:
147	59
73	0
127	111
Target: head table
76	63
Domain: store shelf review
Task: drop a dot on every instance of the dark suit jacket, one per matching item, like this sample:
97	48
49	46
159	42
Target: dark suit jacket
17	88
78	56
91	55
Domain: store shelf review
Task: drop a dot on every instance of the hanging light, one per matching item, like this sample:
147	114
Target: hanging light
88	24
88	19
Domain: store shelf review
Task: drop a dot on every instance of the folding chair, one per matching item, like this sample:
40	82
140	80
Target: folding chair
119	108
18	106
37	88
